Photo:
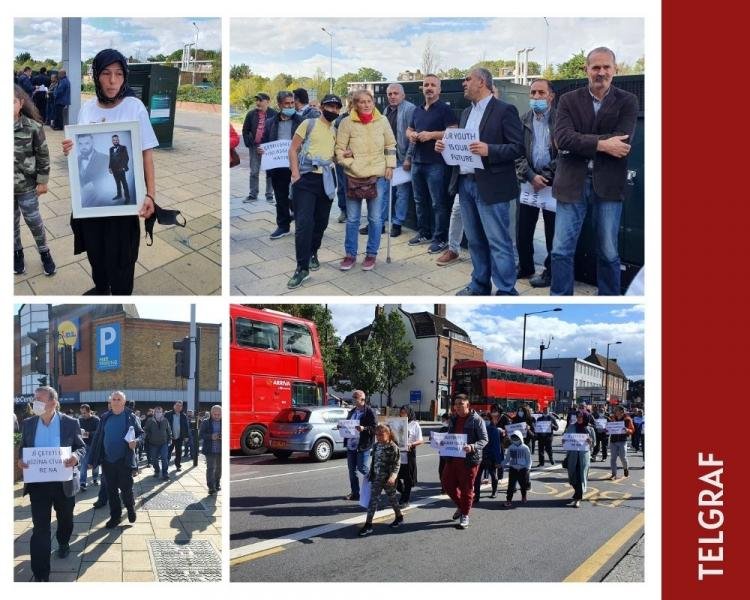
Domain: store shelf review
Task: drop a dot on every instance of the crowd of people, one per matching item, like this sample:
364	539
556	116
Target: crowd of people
112	445
492	448
576	148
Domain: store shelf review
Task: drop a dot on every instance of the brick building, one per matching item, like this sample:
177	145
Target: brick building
88	351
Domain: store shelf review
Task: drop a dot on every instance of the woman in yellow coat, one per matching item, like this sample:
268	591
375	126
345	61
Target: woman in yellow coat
366	148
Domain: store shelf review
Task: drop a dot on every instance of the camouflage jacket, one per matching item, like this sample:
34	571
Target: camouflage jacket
385	461
31	165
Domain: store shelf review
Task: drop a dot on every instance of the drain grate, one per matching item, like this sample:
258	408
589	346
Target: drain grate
193	561
172	501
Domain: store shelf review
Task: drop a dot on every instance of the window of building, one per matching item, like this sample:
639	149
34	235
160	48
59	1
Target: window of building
445	366
256	334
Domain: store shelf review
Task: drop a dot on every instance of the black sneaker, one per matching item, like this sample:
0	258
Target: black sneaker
437	247
296	280
418	240
98	504
63	550
279	233
131	514
363	230
626	473
83	486
395	230
113	522
18	263
366	530
314	263
544	279
397	522
48	263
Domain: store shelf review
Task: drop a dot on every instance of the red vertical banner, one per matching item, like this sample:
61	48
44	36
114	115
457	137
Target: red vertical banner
705	335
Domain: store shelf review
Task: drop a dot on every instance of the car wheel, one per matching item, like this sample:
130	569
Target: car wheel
253	440
282	454
322	450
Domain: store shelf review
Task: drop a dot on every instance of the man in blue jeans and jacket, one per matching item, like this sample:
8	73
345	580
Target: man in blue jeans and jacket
358	448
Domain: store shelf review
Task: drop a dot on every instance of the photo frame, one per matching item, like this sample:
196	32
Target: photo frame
105	169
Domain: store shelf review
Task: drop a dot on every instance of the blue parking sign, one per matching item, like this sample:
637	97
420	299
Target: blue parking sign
108	347
415	396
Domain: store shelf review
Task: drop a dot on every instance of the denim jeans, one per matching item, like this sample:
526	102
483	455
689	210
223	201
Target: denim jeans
430	184
456	227
358	461
156	453
568	223
400	201
490	246
85	467
374	225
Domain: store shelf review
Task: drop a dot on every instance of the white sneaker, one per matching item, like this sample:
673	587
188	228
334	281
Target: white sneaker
463	522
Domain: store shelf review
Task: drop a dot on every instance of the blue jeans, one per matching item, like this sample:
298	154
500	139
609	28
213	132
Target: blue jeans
85	467
568	223
374	225
430	184
400	200
358	461
487	228
158	453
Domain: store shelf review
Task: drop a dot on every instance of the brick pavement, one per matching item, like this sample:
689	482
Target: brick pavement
180	262
261	266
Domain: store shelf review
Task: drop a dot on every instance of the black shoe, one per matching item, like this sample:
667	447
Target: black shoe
397	522
366	530
41	577
179	468
314	263
541	464
544	279
296	280
363	230
165	478
83	487
552	462
627	473
279	233
18	264
211	491
395	230
98	504
524	274
117	198
63	550
354	497
113	522
96	482
131	514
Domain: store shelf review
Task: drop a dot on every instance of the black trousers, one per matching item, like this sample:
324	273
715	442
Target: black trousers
111	245
520	476
176	447
311	211
122	184
545	445
45	496
280	179
59	116
602	441
527	218
119	477
488	466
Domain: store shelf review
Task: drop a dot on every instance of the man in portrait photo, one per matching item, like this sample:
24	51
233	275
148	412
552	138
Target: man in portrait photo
92	166
118	166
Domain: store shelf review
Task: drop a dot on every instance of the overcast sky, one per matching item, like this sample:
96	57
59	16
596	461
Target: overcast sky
498	329
298	46
42	37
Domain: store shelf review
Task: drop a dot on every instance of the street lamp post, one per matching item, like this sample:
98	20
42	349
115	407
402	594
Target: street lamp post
606	373
330	89
195	60
523	347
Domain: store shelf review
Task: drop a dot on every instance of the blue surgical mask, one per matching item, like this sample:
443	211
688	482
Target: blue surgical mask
288	112
538	105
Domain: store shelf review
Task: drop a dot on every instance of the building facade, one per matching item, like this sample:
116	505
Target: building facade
576	380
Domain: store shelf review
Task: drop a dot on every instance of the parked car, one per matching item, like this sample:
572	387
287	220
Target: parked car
311	429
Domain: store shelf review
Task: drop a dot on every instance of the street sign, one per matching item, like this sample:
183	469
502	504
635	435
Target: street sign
415	396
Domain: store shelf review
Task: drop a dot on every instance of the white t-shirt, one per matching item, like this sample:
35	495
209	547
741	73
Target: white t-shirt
130	109
415	435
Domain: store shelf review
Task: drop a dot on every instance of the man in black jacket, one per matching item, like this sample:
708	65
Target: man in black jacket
180	430
545	437
118	166
358	448
89	423
253	128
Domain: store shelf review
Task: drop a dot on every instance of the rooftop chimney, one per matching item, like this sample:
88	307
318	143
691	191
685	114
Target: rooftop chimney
440	310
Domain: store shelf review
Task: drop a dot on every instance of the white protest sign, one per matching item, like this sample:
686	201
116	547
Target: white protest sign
601	424
46	464
348	429
616	427
457	148
400	176
542	199
452	444
516	427
576	441
543	427
275	155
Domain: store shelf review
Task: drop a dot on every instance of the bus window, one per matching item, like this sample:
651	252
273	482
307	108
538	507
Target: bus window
306	394
255	334
297	339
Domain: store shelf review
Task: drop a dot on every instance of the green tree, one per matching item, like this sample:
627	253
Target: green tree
237	72
215	75
369	74
573	68
362	365
452	73
23	58
389	332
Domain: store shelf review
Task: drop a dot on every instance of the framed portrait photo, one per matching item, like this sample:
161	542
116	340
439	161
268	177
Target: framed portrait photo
105	169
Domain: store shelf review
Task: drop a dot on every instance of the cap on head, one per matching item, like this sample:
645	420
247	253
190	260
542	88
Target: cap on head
262	96
331	99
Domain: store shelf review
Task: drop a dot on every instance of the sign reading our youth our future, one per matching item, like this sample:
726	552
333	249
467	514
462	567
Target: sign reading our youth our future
457	148
275	155
46	464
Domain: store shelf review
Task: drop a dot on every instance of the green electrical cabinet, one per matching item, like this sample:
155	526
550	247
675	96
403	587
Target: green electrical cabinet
156	86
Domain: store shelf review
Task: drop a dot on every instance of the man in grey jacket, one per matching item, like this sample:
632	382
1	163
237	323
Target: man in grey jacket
158	435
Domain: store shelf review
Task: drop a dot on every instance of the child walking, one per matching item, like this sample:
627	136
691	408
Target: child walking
31	174
518	461
386	460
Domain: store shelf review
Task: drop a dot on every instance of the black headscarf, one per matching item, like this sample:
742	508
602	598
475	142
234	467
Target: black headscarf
101	61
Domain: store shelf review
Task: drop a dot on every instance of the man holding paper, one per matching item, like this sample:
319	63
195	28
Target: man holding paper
618	442
113	448
358	448
53	432
486	193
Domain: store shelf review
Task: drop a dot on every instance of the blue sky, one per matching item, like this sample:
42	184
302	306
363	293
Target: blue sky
131	36
499	329
298	46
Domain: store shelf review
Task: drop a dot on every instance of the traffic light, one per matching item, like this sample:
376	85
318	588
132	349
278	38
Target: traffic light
39	359
182	358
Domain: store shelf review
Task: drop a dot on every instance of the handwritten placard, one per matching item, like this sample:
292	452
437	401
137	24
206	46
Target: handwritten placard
275	155
450	444
46	464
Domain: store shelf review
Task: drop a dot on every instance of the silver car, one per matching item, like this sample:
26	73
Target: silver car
311	429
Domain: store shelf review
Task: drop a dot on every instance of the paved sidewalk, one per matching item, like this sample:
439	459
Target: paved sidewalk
261	266
162	545
182	261
632	566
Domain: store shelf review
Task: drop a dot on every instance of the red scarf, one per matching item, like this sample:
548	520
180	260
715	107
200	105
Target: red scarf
365	118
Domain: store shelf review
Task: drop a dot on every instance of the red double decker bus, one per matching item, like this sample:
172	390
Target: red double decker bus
487	383
275	362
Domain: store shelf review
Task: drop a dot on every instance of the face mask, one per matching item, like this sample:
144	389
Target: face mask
288	112
329	115
538	105
38	407
164	216
516	442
